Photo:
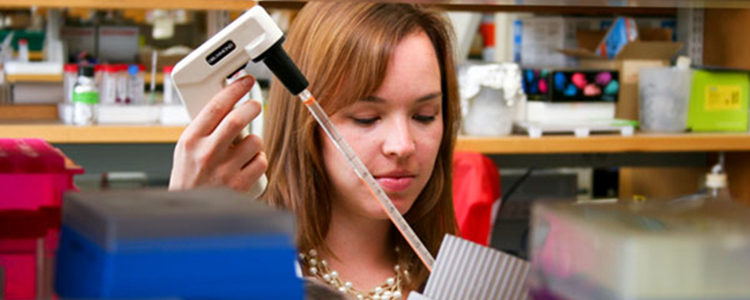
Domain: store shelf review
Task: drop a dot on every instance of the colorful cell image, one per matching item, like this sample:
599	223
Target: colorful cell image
577	86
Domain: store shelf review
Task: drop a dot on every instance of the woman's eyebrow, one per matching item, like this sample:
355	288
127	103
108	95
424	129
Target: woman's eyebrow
427	97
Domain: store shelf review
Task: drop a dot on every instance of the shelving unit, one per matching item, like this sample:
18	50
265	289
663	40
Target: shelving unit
59	133
722	48
58	78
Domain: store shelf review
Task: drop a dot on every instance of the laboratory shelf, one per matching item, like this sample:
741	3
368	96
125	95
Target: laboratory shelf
99	134
58	77
642	142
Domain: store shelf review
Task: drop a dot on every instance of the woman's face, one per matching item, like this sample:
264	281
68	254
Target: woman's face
396	132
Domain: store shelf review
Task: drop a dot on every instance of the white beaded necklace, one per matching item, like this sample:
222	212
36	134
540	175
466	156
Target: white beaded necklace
391	289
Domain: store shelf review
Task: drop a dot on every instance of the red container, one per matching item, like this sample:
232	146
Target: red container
33	178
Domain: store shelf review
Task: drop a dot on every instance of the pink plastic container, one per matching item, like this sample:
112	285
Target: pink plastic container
33	174
33	178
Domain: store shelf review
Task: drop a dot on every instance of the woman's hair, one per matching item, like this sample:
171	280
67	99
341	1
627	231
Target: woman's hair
343	49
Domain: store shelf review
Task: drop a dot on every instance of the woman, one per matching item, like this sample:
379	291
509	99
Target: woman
385	75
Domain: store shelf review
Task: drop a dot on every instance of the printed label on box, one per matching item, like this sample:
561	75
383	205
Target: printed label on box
723	97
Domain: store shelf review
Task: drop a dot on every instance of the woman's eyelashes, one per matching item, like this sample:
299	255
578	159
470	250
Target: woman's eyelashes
424	118
365	121
421	118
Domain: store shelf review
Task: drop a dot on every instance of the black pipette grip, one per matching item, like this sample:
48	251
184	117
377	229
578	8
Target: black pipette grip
282	66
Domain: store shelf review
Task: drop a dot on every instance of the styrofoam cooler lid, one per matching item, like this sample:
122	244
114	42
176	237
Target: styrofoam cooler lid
111	218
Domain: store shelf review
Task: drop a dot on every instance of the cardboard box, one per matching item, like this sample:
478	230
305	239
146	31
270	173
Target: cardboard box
536	40
719	101
653	49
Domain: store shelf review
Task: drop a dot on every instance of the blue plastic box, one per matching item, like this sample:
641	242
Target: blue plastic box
204	244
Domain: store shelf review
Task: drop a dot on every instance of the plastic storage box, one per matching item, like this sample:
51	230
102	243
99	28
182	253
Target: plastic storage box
637	252
33	177
200	244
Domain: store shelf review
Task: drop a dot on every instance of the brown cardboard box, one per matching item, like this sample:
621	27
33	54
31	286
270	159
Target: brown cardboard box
653	49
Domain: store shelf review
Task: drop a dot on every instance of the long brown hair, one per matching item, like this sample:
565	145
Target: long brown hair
343	49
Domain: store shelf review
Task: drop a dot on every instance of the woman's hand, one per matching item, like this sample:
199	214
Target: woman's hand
205	155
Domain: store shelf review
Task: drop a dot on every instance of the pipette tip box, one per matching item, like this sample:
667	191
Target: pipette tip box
200	244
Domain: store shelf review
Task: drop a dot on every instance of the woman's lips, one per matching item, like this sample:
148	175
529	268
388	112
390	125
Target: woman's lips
395	184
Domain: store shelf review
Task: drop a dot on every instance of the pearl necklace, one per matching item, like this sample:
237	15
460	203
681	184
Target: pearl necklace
391	289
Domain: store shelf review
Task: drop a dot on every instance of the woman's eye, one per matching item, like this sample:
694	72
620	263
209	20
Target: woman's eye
424	118
365	121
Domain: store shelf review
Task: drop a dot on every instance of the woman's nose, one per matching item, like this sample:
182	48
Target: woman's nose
399	140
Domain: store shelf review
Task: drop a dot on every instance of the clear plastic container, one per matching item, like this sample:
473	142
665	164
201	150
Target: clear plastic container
664	94
641	251
108	85
136	84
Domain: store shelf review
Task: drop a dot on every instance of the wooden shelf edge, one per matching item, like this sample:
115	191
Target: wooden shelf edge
698	142
98	134
136	4
34	78
59	78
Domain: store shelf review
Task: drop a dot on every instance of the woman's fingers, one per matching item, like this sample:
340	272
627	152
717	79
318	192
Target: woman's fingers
219	106
234	122
243	152
250	173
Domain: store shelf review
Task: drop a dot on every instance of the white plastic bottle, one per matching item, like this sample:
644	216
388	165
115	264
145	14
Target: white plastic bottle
23	50
169	94
122	83
135	85
108	93
85	97
69	81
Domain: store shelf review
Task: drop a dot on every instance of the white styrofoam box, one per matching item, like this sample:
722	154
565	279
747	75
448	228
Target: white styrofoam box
545	112
173	115
127	114
37	92
117	43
